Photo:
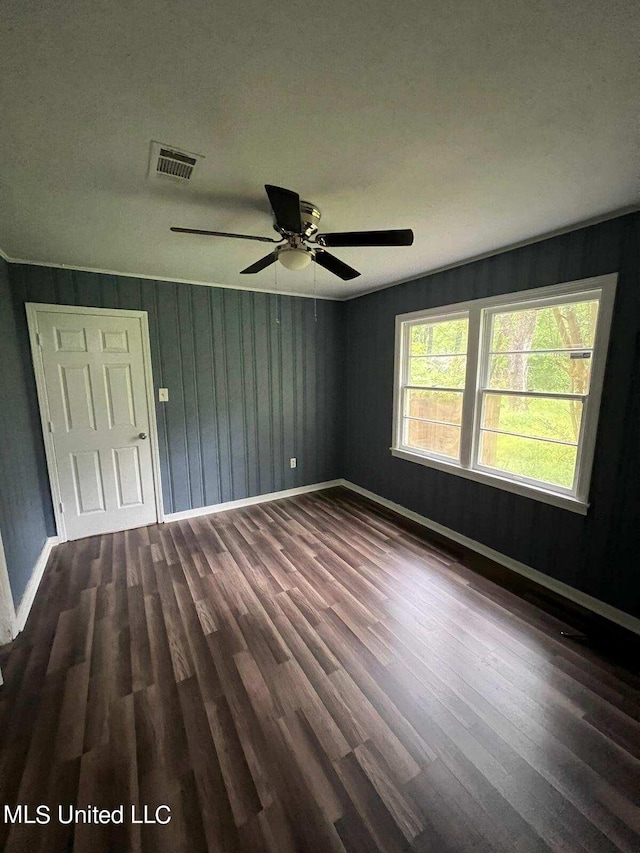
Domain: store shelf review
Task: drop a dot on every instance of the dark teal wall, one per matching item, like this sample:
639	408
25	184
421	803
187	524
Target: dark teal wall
22	518
597	553
253	380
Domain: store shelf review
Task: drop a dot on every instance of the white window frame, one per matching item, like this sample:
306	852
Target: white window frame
479	312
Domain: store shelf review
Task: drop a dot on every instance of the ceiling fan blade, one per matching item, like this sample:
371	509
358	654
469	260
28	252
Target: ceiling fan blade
335	265
262	264
286	208
224	234
397	237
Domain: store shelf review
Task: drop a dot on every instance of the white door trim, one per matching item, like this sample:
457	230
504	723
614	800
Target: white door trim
32	309
7	608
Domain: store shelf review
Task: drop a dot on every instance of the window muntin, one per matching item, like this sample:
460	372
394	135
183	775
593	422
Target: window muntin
435	367
520	406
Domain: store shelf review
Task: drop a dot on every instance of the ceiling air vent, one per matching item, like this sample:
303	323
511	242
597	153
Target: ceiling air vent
169	162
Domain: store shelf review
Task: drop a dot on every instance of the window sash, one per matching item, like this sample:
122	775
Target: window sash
480	315
545	395
401	393
443	388
536	351
431	421
438	355
517	434
530	481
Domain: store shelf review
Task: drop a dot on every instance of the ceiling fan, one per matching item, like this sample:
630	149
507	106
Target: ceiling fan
297	222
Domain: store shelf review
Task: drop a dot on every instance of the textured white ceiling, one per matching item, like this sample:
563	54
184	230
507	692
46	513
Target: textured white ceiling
477	123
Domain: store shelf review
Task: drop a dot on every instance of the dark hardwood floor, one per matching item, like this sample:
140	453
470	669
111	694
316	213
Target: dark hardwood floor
309	675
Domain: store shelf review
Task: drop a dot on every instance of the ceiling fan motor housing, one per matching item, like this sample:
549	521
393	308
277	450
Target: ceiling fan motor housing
310	218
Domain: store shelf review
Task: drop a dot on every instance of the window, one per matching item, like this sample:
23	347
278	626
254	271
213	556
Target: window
506	390
436	369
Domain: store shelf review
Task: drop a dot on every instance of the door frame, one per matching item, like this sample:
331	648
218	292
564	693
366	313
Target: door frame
32	309
7	607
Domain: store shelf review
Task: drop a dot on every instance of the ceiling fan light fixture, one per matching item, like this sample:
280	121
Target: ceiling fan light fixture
294	258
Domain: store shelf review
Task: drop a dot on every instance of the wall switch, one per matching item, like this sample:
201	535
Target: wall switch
163	395
293	462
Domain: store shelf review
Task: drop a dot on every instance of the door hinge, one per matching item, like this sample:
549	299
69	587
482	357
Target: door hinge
61	505
51	429
39	339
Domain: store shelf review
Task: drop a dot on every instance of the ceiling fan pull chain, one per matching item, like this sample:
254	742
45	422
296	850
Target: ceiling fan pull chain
315	294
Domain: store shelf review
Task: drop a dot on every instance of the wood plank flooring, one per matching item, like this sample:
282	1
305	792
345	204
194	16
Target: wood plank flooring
309	675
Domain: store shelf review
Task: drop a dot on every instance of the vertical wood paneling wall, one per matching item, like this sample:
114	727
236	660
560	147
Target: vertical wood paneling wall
22	519
253	380
598	553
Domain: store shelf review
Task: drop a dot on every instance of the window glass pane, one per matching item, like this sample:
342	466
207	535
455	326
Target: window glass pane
445	337
567	326
445	406
435	438
443	371
558	373
539	417
529	457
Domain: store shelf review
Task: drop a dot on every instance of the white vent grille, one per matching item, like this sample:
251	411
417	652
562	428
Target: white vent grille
169	162
176	164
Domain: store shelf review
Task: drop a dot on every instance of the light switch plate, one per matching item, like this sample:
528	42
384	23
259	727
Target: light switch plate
293	462
163	395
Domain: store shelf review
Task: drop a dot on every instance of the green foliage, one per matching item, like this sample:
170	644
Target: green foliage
538	460
440	372
536	417
445	338
549	327
555	373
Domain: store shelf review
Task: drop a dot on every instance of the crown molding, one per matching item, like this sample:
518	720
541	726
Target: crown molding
170	279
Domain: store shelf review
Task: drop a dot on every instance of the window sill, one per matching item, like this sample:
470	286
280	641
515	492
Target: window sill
524	489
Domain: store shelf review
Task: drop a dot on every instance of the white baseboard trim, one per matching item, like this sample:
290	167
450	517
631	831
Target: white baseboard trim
258	499
625	620
24	608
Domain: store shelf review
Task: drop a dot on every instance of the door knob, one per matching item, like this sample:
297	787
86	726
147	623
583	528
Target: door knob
142	435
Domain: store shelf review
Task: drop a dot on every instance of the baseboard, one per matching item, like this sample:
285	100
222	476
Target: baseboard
257	499
600	608
24	608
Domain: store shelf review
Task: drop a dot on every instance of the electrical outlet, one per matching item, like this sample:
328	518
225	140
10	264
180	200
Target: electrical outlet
163	395
293	462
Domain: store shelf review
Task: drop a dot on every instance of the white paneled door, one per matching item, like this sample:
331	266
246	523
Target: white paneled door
97	416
